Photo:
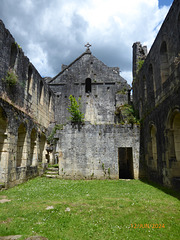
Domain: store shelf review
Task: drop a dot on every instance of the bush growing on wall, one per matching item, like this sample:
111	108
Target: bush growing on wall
11	78
74	110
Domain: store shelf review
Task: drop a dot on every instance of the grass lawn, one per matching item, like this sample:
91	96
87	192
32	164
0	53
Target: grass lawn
89	210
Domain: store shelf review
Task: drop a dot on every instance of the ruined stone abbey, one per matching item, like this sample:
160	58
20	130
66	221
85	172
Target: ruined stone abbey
123	135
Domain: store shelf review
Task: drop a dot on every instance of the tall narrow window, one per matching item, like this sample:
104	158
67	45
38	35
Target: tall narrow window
41	96
152	90
29	87
88	85
13	55
145	88
164	65
50	101
151	77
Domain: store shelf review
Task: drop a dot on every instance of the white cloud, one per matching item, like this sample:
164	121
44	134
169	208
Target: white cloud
39	58
54	32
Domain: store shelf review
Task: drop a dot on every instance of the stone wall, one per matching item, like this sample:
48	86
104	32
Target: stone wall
26	109
30	92
156	95
106	89
92	151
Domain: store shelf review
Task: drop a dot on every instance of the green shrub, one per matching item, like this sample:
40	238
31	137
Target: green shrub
11	78
53	132
140	64
128	114
74	110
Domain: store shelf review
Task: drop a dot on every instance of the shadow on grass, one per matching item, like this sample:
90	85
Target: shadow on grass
166	190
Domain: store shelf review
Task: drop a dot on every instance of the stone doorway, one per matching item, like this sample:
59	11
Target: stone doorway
125	160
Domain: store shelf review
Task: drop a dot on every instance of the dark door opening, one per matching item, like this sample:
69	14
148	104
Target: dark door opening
125	159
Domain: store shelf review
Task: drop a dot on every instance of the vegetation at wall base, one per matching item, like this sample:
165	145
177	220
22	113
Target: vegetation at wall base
71	210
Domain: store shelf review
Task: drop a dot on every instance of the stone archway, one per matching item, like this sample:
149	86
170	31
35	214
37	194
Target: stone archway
173	146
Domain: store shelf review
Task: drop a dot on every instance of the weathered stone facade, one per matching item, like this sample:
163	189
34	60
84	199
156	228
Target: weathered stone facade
156	95
107	144
100	87
92	150
26	109
30	109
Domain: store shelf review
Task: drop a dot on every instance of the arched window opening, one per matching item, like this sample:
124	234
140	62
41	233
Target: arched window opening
21	145
140	108
88	85
151	77
33	150
164	65
145	88
29	88
176	130
3	141
50	101
41	96
13	55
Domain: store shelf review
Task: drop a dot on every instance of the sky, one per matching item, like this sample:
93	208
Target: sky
54	32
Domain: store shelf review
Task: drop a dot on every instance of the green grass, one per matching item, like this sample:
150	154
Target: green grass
98	210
